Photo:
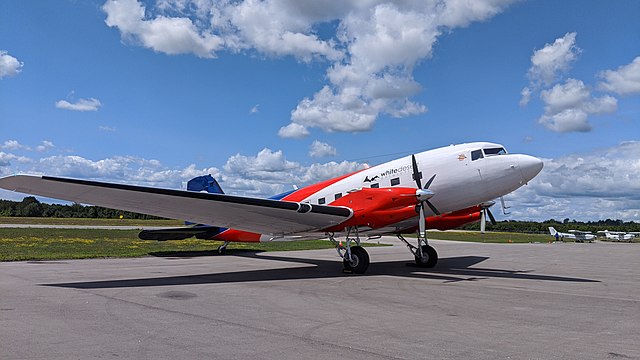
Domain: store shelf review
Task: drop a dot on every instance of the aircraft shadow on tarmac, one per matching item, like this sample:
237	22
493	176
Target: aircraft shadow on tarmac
453	269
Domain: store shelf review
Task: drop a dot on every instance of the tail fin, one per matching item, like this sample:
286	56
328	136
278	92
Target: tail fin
206	183
203	183
552	231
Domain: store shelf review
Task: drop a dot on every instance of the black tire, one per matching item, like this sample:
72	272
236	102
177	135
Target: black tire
222	250
360	260
429	259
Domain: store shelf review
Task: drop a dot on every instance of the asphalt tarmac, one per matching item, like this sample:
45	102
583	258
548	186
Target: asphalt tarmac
483	301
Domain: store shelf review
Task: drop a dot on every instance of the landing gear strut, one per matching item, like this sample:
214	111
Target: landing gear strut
426	256
222	249
354	258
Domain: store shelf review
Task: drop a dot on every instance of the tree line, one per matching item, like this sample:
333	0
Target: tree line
31	207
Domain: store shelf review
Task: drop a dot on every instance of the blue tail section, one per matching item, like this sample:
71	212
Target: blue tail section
204	183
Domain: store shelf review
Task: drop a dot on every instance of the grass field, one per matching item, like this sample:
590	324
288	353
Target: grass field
88	221
51	244
18	244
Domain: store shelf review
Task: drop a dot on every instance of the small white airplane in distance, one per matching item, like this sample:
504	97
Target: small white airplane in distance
390	198
617	235
577	235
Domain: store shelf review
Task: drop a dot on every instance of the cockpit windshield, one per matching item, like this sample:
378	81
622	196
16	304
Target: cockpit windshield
494	151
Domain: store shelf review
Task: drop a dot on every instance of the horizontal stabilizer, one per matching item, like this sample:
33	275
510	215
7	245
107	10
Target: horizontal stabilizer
200	232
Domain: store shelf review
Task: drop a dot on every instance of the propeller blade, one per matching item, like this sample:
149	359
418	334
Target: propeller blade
426	186
416	173
433	208
493	220
483	221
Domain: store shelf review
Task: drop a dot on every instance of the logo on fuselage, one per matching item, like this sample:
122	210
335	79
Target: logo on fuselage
366	178
388	172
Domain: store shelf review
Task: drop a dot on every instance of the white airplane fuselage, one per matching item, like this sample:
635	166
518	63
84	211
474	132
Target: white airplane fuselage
459	183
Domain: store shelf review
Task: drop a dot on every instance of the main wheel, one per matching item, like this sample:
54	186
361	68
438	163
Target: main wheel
359	260
429	257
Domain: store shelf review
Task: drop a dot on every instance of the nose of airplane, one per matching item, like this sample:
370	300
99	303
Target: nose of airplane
529	166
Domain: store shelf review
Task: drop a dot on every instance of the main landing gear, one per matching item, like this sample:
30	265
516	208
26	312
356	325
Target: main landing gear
354	258
426	256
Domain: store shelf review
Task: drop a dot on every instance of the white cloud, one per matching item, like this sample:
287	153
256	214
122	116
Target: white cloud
263	166
623	81
91	104
331	112
170	35
293	131
604	183
568	120
9	65
124	169
45	145
525	96
269	173
255	109
371	54
571	94
277	28
12	145
553	59
568	106
106	128
6	159
321	149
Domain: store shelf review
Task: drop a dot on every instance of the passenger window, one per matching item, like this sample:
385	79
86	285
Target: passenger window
338	196
375	186
321	201
476	154
395	181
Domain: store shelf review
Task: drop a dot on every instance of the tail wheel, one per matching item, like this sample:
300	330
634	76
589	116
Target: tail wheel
359	261
429	257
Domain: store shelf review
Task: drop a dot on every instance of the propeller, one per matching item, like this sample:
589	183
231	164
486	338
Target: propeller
422	195
484	213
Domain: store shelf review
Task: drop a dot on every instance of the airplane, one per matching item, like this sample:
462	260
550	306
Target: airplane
617	235
208	184
386	199
577	235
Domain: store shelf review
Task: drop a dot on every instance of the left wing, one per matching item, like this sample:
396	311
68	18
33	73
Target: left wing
262	216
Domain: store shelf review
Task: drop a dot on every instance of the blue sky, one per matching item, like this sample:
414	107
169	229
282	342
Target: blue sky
266	95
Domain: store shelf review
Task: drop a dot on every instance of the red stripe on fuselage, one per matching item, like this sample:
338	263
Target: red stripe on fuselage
307	191
298	195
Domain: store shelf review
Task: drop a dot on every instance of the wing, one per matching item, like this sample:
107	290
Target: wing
262	216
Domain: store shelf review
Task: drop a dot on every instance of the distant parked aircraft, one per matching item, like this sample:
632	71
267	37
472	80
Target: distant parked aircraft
577	235
617	235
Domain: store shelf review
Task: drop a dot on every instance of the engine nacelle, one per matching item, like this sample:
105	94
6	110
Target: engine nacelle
376	208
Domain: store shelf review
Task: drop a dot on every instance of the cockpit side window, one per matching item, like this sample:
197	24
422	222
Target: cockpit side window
494	151
476	154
